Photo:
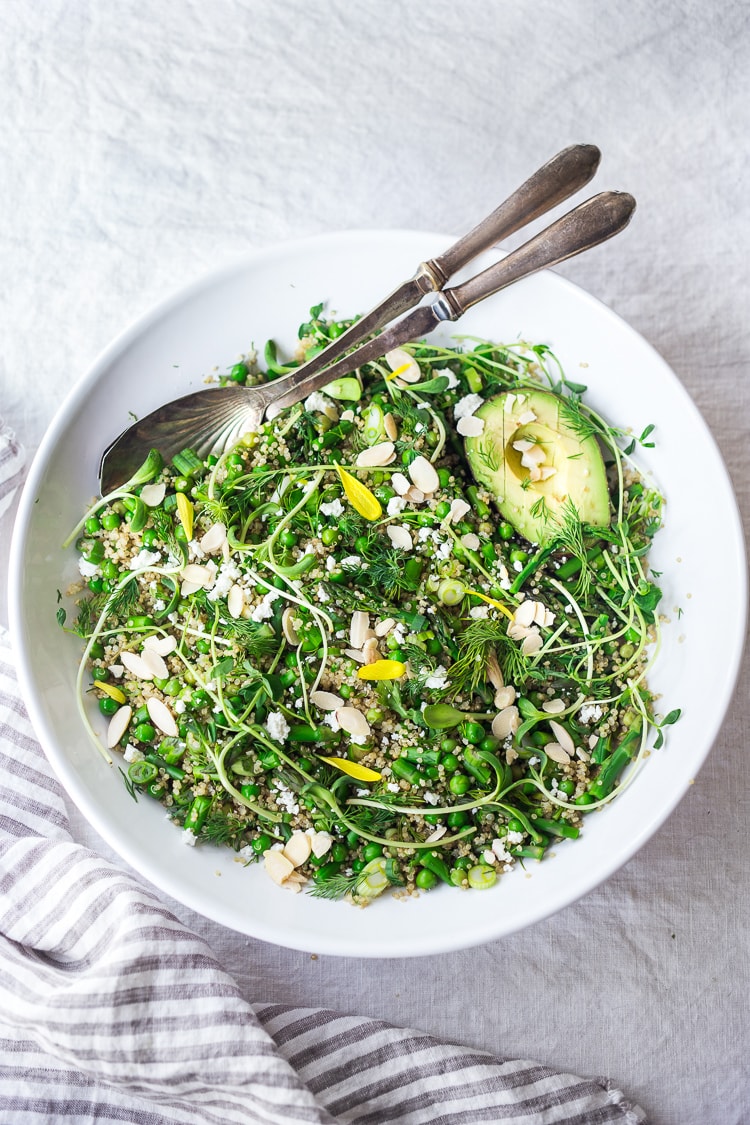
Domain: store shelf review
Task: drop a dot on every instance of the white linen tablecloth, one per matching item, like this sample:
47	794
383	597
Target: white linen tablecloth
142	145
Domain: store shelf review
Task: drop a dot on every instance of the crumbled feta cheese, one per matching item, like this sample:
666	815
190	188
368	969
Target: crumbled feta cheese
264	609
195	551
446	373
286	799
437	679
467	406
188	837
479	611
396	504
144	559
514	837
351	560
430	797
333	508
160	605
87	569
323	594
590	713
331	563
132	753
227	575
393	787
179	706
277	726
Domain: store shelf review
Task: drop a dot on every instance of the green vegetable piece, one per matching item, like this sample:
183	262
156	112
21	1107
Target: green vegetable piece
346	389
373	880
561	449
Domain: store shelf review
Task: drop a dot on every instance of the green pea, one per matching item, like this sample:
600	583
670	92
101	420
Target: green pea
457	819
567	786
109	569
96	652
111	521
329	536
519	556
505	531
339	853
352	839
433	647
442	509
238	373
172	687
261	843
288	538
372	851
139	622
444	476
473	732
200	698
490	743
345	691
96	585
425	879
145	732
108	706
150	537
515	825
92	525
584	799
459	784
361	544
450	763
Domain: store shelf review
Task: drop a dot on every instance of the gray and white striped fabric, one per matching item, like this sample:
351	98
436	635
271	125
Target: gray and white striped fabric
96	976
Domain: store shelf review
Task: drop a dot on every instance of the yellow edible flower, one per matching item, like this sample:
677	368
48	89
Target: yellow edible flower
360	497
354	769
382	670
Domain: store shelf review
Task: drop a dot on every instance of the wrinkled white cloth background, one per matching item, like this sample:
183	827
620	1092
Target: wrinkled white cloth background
143	144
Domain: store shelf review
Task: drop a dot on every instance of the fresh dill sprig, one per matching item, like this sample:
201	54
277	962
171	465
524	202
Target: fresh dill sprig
480	636
256	637
337	886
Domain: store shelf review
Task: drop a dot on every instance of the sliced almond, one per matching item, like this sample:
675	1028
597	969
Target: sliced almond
161	716
295	882
138	666
187	588
562	737
524	615
353	721
471	426
359	628
384	627
355	654
400	484
326	700
506	723
288	617
399	536
470	541
390	427
156	663
370	650
436	835
407	367
236	601
200	575
415	495
494	672
381	454
118	724
557	753
321	843
162	645
504	697
553	706
532	643
297	848
424	475
153	494
214	539
277	866
459	509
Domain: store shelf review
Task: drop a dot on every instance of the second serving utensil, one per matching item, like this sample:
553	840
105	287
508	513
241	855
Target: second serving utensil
212	420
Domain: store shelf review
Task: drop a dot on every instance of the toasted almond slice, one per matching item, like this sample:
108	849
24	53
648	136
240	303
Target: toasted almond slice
524	615
288	617
390	427
236	601
294	883
370	650
277	866
153	494
359	628
415	495
504	697
459	508
557	753
187	588
517	632
400	484
297	848
384	627
138	665
161	716
400	537
162	645
532	643
156	663
562	737
214	539
582	754
506	723
424	475
553	706
494	671
407	367
118	724
326	700
321	843
540	613
356	654
353	721
470	426
470	541
436	835
202	575
381	454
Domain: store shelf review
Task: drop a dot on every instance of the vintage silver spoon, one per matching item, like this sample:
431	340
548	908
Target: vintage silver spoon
213	420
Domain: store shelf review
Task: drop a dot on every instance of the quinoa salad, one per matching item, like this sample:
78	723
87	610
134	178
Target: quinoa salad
378	645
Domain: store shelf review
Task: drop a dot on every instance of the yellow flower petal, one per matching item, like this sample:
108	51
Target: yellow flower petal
492	601
354	769
360	498
399	371
382	670
185	511
110	690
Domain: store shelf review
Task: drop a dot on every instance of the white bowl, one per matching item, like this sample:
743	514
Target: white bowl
168	353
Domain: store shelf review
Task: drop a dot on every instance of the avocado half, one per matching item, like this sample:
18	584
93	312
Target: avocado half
533	461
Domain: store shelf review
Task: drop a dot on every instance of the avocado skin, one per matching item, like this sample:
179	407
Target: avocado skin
579	477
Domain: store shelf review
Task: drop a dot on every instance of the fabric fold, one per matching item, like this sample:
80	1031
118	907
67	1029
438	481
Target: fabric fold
113	1010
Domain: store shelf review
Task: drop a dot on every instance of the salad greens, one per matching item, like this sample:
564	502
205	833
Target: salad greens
326	650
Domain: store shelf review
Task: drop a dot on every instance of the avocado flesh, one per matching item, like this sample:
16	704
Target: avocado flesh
532	485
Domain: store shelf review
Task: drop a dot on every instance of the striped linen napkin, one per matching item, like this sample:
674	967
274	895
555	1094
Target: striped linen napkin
96	976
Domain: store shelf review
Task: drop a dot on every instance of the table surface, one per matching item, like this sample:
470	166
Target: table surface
145	145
